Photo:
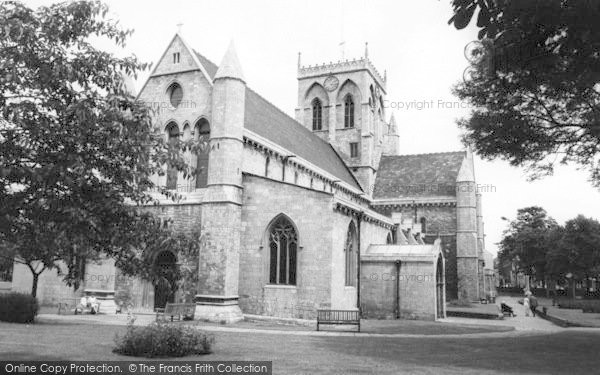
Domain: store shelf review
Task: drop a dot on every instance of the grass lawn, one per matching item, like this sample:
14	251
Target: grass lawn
572	315
566	352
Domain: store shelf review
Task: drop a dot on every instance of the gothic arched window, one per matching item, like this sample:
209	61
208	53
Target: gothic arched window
389	240
173	134
283	247
351	250
202	130
348	112
317	114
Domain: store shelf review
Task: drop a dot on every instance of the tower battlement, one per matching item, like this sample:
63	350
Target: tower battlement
342	66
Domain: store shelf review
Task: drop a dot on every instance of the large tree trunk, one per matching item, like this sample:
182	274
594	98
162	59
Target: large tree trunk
34	284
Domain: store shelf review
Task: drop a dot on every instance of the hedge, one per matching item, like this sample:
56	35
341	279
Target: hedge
18	308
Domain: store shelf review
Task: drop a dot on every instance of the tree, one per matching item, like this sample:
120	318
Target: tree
576	256
534	83
526	241
77	151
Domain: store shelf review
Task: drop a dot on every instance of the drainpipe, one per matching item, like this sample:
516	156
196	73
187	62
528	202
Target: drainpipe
358	220
398	264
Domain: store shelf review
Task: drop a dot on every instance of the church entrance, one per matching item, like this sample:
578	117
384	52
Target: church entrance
439	290
164	287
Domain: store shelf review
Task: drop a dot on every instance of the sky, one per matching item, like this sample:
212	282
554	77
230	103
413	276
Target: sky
411	40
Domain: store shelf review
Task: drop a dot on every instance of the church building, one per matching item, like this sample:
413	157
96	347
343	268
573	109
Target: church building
320	211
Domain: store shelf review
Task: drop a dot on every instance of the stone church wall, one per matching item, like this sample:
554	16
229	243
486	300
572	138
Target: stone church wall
51	288
196	103
440	221
311	212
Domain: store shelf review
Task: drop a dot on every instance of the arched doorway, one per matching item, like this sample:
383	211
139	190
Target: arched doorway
439	289
164	286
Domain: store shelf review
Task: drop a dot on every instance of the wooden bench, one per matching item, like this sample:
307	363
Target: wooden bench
183	311
350	317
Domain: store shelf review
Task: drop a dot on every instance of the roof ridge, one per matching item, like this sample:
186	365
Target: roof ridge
429	153
296	122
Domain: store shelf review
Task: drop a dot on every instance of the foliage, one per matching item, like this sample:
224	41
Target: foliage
18	308
163	340
526	240
534	82
577	253
77	151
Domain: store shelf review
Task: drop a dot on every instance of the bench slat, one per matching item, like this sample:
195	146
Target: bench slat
338	317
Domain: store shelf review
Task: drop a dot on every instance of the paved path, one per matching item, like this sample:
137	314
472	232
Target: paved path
524	325
520	322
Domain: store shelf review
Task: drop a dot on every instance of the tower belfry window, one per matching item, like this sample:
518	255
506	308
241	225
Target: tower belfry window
317	114
348	112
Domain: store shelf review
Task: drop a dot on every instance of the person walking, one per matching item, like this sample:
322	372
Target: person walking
526	305
533	304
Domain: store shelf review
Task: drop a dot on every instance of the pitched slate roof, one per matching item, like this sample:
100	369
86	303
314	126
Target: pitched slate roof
421	175
268	121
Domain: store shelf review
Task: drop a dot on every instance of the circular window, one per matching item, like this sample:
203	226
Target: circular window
175	94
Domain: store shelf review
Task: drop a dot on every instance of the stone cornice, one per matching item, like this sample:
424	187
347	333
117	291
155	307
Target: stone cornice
419	202
350	209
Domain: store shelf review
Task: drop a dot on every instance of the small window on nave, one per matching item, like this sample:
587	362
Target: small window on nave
353	149
351	250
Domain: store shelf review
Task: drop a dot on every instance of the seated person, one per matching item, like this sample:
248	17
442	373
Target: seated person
506	309
93	304
81	306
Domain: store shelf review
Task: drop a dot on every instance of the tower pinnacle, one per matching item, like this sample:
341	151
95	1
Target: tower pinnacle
230	65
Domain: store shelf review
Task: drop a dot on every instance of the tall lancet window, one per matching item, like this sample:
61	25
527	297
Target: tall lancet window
317	114
173	134
351	251
202	130
283	246
348	112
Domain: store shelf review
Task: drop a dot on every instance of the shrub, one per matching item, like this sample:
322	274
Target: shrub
163	340
18	308
570	304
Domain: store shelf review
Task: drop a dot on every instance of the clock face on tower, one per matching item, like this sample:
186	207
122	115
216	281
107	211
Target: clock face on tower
331	83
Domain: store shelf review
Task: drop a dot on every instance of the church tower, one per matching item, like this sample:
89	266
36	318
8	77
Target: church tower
343	103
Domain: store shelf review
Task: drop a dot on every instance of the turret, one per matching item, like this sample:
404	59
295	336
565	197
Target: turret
466	236
218	273
480	246
391	139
